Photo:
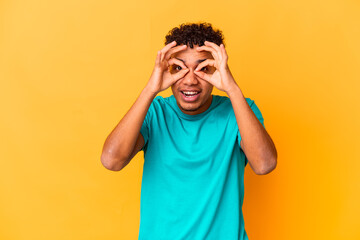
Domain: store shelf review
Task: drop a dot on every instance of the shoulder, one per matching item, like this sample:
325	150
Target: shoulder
224	102
160	104
226	99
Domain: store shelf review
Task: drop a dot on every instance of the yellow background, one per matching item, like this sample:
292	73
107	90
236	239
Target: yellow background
71	69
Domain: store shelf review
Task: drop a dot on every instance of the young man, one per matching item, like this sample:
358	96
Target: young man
196	145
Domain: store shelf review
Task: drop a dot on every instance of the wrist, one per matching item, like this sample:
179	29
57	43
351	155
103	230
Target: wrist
233	90
150	91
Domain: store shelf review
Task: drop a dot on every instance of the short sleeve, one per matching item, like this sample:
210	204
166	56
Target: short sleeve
259	116
144	131
146	126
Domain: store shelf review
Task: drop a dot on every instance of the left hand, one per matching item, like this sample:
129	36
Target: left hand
221	78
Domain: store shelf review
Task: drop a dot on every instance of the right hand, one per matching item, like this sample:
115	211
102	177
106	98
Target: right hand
161	77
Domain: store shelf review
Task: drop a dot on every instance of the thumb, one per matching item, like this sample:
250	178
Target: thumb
203	75
180	74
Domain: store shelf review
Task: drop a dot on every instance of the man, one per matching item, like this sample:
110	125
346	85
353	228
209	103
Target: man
196	145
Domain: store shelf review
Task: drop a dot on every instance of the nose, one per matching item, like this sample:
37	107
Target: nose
190	78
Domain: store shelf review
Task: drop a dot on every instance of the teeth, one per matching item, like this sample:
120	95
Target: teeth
190	93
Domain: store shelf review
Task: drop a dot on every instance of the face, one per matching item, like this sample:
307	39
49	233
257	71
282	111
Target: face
193	94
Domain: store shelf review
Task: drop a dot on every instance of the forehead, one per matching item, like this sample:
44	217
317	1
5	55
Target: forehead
191	56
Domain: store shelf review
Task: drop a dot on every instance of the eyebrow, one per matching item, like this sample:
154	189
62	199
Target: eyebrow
198	61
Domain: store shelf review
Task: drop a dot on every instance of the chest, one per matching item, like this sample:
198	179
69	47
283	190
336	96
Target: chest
194	141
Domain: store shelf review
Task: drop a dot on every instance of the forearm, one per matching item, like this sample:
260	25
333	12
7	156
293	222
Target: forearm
121	141
124	141
257	144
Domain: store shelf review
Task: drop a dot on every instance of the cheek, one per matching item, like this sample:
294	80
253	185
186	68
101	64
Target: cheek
207	86
174	89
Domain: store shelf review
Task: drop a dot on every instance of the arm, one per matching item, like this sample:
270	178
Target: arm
125	140
256	143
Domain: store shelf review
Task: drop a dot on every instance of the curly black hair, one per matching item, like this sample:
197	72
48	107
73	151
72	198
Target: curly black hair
194	34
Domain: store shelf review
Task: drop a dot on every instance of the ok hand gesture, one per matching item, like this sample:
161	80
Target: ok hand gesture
161	77
222	78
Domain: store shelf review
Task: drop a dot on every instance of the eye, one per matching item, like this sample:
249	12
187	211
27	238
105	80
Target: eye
178	68
204	69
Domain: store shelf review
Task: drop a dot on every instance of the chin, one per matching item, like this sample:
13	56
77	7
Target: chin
189	109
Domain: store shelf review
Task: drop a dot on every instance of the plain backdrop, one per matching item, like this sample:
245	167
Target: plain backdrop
71	69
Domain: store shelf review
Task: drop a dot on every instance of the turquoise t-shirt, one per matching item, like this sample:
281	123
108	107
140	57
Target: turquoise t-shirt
193	176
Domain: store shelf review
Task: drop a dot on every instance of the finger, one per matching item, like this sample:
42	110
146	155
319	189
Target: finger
174	50
222	47
177	62
211	44
204	76
216	47
207	62
158	56
167	47
180	74
210	49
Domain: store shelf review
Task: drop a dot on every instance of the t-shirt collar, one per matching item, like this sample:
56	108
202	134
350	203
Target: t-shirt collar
188	116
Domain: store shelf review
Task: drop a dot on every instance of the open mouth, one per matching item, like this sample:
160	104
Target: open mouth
190	96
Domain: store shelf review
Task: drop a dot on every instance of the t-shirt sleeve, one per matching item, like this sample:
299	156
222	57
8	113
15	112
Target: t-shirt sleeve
259	116
145	127
144	131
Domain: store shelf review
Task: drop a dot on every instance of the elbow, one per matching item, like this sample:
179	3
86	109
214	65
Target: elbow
111	163
267	167
269	163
